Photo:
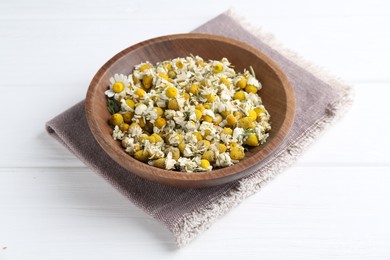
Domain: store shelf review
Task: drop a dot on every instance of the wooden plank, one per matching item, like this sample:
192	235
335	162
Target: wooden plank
310	212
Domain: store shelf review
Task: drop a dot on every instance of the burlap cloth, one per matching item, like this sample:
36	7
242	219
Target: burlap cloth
188	212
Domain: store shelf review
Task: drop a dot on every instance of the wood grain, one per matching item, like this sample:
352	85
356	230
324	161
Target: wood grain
277	95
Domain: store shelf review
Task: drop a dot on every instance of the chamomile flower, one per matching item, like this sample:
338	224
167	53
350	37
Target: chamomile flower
186	114
187	165
117	134
253	81
169	162
223	160
118	86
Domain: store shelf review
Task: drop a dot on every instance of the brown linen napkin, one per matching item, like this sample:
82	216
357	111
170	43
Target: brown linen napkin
188	212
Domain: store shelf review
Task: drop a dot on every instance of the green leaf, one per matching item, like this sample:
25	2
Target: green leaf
113	105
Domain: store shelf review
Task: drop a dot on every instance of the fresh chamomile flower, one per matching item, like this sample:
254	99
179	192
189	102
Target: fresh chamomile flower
118	85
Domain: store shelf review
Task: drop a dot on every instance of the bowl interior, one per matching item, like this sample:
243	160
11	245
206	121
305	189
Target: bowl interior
276	94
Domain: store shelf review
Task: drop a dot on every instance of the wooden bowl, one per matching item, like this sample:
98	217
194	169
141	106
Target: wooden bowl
277	95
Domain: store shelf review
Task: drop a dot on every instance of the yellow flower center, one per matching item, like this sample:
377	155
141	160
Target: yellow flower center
241	83
140	93
252	114
237	153
252	140
159	111
118	87
198	136
210	97
204	164
160	122
231	120
116	119
179	65
198	114
130	103
172	104
194	89
171	92
240	95
218	68
145	67
251	89
225	81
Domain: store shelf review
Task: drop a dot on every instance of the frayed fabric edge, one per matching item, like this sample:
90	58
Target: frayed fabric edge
196	222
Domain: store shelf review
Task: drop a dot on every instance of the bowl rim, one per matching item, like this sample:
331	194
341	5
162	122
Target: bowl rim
193	179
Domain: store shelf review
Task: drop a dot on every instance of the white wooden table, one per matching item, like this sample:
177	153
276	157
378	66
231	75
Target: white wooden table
333	204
